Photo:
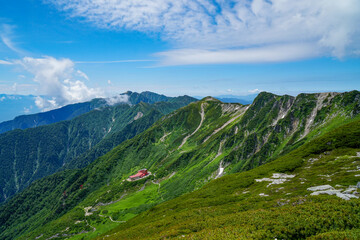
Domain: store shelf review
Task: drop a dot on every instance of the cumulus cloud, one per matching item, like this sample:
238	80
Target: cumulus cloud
46	104
123	98
227	28
254	91
56	79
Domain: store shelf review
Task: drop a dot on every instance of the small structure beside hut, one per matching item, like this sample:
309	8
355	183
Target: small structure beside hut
141	173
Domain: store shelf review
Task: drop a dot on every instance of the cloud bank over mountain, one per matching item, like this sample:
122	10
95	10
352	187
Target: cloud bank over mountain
58	78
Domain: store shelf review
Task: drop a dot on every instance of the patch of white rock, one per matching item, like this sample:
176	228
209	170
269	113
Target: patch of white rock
350	192
277	178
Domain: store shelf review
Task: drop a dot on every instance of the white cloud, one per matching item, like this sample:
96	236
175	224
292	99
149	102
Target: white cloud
268	54
46	104
55	78
115	61
28	109
82	74
117	99
7	41
330	26
5	62
6	35
14	87
254	91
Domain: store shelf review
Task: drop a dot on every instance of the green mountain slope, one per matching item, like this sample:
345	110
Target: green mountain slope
27	155
278	200
184	150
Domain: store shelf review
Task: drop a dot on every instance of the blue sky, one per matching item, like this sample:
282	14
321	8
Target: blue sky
73	51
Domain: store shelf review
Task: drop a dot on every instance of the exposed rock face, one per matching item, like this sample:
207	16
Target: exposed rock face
263	195
321	188
138	115
272	120
347	194
320	103
202	114
277	178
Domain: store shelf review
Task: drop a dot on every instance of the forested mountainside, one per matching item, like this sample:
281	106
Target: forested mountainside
184	150
27	155
71	111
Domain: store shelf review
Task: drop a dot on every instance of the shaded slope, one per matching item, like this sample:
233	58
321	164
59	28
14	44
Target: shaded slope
129	131
27	155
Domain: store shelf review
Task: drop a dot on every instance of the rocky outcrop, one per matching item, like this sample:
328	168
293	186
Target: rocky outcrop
350	192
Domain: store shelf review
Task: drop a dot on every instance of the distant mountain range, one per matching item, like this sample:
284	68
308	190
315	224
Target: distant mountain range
71	111
15	105
248	99
33	153
38	119
20	111
237	171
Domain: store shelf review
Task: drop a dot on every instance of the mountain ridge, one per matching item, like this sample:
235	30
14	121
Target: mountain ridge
71	111
32	153
184	150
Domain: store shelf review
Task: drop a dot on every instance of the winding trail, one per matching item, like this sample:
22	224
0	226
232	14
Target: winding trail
100	215
94	229
158	188
115	221
202	114
162	139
